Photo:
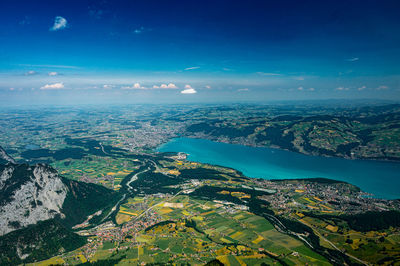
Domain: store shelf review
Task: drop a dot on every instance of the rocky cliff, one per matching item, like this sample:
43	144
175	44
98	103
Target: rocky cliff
29	194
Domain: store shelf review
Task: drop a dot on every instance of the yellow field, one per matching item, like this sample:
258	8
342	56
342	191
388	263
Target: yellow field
140	251
332	228
258	240
52	261
225	240
237	234
143	238
307	199
122	218
165	210
224	260
129	213
82	258
173	172
205	213
198	218
326	207
239	216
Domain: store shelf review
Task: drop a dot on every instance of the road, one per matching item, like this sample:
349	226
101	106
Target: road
113	208
333	245
157	205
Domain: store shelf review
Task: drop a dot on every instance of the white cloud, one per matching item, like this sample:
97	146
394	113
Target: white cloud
165	86
362	88
188	90
191	68
49	66
30	73
299	78
268	74
245	89
52	74
107	86
342	89
300	88
311	89
135	86
353	59
138	30
59	24
172	86
11	89
54	86
141	30
382	87
208	87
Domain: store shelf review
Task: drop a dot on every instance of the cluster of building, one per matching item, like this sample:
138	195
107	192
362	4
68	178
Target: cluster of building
149	218
111	233
332	196
229	206
149	136
98	180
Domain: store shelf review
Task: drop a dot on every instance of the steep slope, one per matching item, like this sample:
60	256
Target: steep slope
38	209
84	199
4	157
38	242
29	194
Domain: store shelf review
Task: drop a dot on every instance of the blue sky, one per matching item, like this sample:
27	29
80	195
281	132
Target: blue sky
188	51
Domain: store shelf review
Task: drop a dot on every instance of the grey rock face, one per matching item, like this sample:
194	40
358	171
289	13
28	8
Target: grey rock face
33	194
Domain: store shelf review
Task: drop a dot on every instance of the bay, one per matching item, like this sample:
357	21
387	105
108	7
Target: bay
380	178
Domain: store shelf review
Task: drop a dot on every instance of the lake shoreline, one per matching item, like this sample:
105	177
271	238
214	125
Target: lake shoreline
271	163
283	149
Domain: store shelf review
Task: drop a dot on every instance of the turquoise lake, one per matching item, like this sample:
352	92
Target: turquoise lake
379	178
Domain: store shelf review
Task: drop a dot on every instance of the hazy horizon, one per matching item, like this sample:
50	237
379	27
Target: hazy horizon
182	52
